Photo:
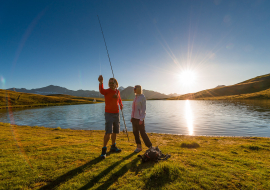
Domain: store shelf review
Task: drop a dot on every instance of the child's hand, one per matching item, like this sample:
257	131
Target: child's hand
100	78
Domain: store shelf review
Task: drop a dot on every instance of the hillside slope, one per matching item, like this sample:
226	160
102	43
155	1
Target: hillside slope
255	88
20	99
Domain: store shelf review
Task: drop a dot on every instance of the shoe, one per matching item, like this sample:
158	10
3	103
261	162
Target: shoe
103	153
138	150
115	149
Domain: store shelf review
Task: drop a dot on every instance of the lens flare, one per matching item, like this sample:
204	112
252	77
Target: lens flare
3	80
230	46
13	127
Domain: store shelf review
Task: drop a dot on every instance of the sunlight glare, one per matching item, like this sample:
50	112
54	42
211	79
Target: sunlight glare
187	77
189	117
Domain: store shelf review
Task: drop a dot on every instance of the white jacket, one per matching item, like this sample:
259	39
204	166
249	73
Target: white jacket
139	107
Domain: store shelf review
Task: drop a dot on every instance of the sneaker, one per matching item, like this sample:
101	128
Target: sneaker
115	149
103	153
138	150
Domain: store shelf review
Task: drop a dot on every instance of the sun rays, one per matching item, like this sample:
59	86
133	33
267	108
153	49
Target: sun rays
187	77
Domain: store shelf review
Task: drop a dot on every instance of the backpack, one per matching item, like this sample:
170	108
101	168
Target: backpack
153	154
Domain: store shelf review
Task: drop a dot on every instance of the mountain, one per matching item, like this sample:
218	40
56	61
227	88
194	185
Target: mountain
121	88
174	94
51	89
128	93
255	88
220	86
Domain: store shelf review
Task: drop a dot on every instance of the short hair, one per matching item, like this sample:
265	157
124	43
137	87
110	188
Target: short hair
140	87
115	82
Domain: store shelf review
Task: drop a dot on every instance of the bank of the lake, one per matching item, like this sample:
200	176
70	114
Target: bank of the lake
11	99
55	158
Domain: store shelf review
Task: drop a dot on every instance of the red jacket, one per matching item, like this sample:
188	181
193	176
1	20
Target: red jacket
111	102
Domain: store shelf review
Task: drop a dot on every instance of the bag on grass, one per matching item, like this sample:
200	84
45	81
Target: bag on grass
154	154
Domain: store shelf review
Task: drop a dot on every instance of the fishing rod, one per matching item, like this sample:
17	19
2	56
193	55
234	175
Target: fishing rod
105	45
112	70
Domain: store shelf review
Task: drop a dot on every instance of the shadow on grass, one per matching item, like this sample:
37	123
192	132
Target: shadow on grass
114	177
72	173
161	175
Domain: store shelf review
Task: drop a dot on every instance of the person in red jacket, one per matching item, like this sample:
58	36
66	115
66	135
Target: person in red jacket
112	117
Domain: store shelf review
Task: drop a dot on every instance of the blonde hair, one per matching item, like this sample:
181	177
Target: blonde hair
115	82
139	87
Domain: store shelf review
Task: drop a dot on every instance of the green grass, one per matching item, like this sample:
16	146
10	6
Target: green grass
190	145
21	100
55	158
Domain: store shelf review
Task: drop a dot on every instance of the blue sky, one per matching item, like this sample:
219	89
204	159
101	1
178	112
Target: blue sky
222	42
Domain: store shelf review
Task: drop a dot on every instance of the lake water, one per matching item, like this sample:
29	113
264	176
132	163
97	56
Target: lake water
187	117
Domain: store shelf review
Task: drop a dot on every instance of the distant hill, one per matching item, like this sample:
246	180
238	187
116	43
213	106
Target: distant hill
51	89
220	86
257	79
174	95
126	93
121	88
255	88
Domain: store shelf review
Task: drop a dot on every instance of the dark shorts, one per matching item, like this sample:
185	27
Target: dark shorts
112	123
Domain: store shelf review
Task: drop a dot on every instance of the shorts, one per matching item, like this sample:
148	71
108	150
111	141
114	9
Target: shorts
112	123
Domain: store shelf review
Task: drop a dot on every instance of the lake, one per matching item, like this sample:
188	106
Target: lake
187	117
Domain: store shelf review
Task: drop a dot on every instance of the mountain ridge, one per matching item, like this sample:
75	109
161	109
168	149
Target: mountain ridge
126	93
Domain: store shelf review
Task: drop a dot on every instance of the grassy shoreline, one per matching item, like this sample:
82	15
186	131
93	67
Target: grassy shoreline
54	158
11	99
45	105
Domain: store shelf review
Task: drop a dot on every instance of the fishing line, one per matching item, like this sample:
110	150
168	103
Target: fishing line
99	65
99	59
105	45
112	70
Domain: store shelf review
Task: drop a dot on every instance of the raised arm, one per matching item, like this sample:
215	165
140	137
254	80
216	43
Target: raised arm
101	88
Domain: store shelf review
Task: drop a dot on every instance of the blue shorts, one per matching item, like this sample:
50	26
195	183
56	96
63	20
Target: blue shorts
112	123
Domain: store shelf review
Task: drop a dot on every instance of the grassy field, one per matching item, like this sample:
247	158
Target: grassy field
55	158
21	100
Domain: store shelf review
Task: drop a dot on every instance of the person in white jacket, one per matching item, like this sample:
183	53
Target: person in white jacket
137	118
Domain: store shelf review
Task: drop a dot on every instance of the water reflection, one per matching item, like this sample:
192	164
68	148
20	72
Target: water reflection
225	118
189	117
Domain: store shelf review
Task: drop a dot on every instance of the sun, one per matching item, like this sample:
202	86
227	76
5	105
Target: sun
187	77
